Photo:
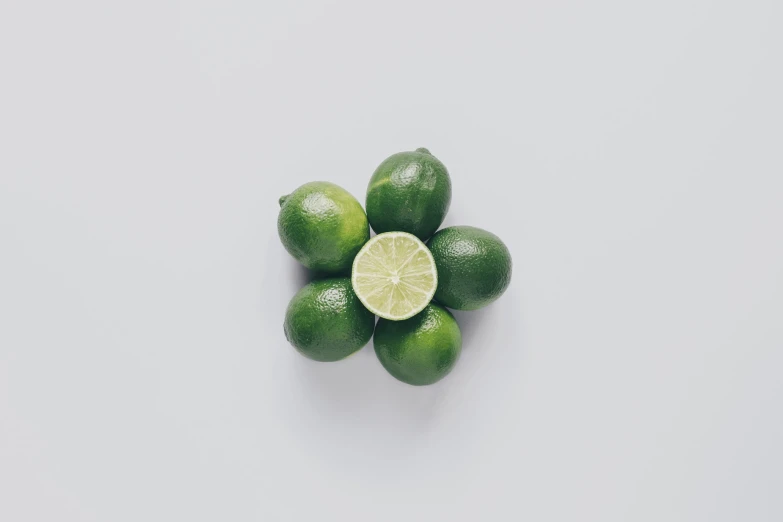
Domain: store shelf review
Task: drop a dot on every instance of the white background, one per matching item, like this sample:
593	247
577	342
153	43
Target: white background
629	154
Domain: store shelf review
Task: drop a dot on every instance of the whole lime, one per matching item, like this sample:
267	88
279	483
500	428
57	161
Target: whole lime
325	321
474	267
409	192
420	350
322	226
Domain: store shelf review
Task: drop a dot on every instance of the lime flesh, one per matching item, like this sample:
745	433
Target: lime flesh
394	275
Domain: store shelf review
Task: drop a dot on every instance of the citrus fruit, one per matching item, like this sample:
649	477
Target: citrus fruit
326	322
394	275
322	226
474	267
420	350
409	192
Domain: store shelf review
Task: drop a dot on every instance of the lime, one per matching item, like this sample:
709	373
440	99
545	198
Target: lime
409	192
420	350
394	275
474	267
322	226
326	322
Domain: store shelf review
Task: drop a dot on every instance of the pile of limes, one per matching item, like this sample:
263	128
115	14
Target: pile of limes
394	275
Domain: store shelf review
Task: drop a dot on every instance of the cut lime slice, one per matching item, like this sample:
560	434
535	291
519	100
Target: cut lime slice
394	275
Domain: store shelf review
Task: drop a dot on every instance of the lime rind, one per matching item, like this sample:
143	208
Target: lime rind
394	275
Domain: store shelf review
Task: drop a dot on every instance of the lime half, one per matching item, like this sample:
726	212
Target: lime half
394	275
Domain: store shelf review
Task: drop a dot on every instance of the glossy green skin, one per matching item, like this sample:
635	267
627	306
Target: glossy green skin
326	322
322	226
474	267
409	192
421	350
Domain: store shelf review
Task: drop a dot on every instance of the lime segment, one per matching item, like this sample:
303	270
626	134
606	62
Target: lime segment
394	275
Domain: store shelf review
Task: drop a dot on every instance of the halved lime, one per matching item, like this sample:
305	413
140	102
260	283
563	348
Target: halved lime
394	275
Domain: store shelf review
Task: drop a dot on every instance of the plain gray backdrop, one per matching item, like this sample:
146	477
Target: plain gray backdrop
628	153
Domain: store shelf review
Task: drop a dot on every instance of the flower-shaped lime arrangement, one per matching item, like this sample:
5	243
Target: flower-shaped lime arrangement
394	275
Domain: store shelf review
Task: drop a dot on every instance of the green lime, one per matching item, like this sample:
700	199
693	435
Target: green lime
474	267
420	350
325	321
409	192
322	226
